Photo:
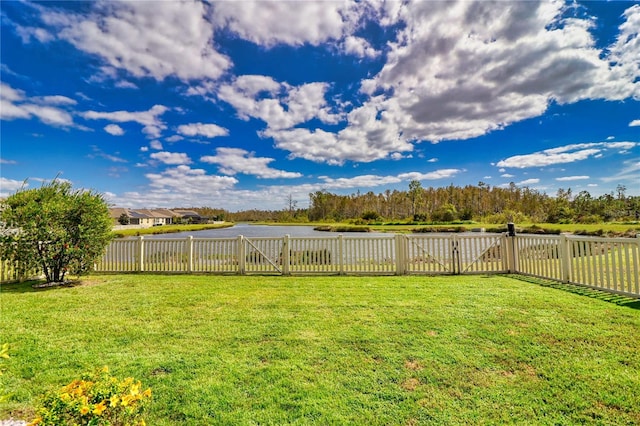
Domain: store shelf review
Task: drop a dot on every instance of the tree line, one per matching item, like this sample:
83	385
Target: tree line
482	203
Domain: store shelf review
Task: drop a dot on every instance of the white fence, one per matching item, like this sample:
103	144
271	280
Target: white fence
611	264
380	255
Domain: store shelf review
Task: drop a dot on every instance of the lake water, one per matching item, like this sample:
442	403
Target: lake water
253	231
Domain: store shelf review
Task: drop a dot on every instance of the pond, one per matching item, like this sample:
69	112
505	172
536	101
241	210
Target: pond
254	231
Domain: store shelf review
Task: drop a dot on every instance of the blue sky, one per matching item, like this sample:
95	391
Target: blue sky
239	105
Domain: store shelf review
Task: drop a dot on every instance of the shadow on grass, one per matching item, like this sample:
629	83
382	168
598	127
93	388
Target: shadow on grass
31	286
618	299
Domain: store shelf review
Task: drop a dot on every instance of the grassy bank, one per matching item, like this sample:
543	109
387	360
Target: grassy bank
597	229
169	229
331	350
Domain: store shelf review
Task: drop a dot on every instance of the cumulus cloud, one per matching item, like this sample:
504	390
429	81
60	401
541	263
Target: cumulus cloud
371	134
189	181
634	123
462	69
9	186
152	126
147	39
359	47
279	105
200	129
14	104
114	129
307	22
171	157
564	154
235	160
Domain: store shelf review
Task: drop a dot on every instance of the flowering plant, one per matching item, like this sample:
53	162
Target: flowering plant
98	399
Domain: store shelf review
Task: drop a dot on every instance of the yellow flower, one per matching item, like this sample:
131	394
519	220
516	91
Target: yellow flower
142	423
84	410
114	401
147	393
126	400
135	389
35	421
98	409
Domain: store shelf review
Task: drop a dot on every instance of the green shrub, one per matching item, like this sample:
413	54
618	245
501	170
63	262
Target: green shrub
96	399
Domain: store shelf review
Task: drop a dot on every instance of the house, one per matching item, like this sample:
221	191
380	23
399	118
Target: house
135	217
189	216
156	217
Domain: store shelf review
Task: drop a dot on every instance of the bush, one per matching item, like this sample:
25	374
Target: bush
55	228
96	399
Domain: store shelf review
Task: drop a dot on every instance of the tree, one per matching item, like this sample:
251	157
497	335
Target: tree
415	194
124	219
57	229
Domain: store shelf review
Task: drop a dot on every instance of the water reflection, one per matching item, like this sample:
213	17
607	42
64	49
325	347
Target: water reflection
253	231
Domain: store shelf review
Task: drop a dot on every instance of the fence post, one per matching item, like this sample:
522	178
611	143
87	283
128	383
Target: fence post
286	256
512	247
565	258
141	253
401	265
241	256
341	253
190	253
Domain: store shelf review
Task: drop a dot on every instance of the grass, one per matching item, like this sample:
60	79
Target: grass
332	350
598	229
168	229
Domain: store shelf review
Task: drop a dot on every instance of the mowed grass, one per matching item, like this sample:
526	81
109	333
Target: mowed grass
331	350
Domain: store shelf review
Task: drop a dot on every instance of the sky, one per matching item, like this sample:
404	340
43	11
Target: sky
248	104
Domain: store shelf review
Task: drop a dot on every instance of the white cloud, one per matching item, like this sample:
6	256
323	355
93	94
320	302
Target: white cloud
200	129
564	154
54	100
306	22
5	161
114	129
9	186
462	69
528	182
174	138
14	104
147	39
572	178
359	47
235	160
150	120
634	123
435	175
155	145
190	181
628	173
279	105
173	158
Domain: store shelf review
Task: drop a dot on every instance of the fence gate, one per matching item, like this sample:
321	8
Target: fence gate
430	254
481	253
456	254
263	255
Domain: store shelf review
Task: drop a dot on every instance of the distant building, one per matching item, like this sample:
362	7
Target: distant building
154	217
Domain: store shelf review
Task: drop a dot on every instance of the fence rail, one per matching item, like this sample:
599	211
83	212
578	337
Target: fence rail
611	264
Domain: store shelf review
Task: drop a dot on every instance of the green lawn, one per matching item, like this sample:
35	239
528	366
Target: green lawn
332	350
